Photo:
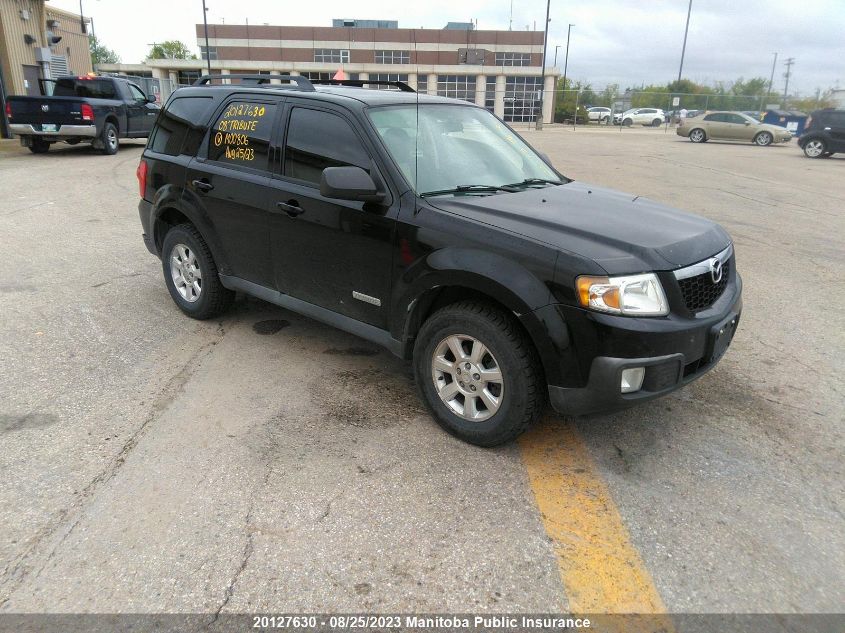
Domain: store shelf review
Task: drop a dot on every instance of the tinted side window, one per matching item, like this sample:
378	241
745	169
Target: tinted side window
714	117
735	118
181	127
136	93
92	88
241	134
836	119
317	140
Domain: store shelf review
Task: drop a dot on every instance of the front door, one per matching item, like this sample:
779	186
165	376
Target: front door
740	128
230	182
335	254
141	114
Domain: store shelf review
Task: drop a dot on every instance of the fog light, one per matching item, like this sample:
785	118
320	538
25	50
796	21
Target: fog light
632	379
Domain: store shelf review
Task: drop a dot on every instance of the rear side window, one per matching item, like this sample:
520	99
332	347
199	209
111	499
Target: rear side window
241	134
836	119
714	117
317	140
181	126
91	88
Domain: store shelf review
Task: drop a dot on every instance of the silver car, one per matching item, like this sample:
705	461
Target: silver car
733	126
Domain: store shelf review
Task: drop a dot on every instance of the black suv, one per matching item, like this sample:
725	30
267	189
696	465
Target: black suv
824	134
428	226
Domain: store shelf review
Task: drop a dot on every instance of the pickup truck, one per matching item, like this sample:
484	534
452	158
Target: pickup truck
90	108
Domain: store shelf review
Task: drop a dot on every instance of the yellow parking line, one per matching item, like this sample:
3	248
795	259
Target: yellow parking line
601	570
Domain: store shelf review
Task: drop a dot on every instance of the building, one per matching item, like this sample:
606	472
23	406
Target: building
500	70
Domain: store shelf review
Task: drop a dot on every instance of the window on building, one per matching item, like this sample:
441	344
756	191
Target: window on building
331	55
241	134
522	98
181	127
187	77
387	77
208	53
457	87
306	153
513	59
422	84
490	94
393	57
313	75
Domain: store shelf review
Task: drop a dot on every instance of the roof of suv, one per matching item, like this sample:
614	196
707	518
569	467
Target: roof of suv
336	94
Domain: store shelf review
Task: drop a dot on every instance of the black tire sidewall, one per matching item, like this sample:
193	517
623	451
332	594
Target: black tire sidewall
107	149
182	235
506	423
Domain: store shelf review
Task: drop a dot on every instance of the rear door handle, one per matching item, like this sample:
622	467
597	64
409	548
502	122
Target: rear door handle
291	207
202	185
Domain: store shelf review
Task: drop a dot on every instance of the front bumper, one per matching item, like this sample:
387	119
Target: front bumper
673	353
63	131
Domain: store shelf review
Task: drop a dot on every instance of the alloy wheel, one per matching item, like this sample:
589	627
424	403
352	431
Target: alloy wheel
814	148
185	272
467	377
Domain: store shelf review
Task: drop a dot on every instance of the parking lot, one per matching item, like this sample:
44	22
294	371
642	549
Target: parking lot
267	463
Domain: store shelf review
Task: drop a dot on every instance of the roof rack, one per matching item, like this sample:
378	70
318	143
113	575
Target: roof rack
360	83
302	83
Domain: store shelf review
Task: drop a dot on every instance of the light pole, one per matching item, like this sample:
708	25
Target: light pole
205	25
556	47
788	63
539	122
566	57
684	48
771	79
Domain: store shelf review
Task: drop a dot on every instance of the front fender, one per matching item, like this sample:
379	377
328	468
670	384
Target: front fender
505	281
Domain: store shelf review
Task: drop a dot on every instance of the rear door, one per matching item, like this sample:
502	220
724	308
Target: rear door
230	181
332	253
716	126
834	125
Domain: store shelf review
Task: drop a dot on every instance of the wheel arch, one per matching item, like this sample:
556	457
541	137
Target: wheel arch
171	211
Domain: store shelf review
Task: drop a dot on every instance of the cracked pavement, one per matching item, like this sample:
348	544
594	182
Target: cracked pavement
265	462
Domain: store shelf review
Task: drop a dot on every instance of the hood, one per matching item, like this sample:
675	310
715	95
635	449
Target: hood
620	232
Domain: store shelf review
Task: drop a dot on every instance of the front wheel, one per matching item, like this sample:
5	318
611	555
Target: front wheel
697	135
814	148
478	373
628	122
109	139
191	274
763	139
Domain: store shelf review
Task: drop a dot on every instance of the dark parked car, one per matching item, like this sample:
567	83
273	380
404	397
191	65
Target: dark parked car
824	134
428	226
91	108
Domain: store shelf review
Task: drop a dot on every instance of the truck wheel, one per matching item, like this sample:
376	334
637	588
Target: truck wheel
763	139
478	373
191	274
109	139
39	146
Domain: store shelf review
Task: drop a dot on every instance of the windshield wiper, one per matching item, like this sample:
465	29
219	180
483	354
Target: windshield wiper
534	181
468	189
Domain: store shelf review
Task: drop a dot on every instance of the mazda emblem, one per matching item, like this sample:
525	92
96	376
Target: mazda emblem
716	270
45	107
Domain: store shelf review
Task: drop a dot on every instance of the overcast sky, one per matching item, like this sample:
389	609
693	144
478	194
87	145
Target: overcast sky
628	42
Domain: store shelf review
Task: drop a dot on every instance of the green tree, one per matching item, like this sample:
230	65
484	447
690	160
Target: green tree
808	104
171	49
101	54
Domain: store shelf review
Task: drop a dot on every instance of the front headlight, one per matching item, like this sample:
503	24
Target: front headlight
632	295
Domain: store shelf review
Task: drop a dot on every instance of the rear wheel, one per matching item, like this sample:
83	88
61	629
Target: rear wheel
109	139
191	274
39	146
697	135
657	123
815	148
764	138
478	373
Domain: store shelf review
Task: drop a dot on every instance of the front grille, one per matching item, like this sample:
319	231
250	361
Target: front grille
700	292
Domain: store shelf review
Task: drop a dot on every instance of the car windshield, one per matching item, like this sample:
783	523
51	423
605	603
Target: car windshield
441	148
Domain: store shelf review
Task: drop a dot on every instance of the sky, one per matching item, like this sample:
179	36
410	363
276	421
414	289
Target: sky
626	42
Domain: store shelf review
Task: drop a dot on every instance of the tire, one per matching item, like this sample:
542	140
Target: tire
39	146
605	119
764	138
519	394
186	255
697	135
657	123
815	148
628	122
109	139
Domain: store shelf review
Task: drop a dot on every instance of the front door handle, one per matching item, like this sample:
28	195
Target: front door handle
291	207
202	185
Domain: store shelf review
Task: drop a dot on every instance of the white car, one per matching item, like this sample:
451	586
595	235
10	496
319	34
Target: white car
640	116
598	113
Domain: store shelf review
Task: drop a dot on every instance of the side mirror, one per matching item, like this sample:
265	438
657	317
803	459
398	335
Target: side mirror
151	98
349	183
748	123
